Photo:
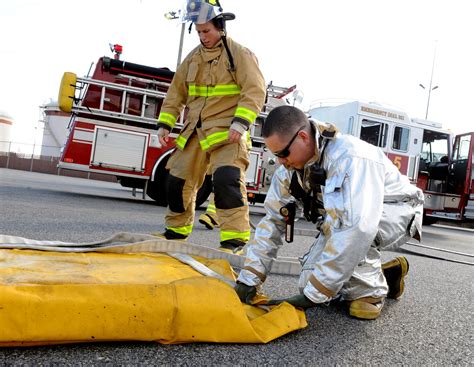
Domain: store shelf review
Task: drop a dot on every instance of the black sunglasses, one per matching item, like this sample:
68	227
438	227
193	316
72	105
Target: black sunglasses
285	152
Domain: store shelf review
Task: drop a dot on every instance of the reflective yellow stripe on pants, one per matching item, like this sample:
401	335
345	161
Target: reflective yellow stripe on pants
185	230
242	236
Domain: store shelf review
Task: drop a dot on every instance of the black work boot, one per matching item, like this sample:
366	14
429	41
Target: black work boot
170	235
395	272
208	221
232	246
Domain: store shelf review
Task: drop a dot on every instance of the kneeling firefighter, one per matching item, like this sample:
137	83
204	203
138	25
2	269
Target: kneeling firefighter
224	90
361	205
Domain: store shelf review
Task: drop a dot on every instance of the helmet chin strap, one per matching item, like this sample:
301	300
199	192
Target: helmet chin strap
231	58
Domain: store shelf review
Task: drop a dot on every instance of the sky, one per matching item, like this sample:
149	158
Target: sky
335	51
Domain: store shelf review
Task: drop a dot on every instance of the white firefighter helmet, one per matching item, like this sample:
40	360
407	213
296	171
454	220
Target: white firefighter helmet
200	12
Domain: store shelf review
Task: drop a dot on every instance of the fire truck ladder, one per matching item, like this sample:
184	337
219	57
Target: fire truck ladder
126	90
279	92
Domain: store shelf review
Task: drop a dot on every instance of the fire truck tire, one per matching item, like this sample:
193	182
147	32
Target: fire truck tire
67	91
157	190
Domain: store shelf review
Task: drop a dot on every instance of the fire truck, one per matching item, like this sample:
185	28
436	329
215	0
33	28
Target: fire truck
113	129
434	159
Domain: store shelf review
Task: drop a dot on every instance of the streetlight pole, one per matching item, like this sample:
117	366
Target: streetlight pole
431	88
173	15
176	15
181	38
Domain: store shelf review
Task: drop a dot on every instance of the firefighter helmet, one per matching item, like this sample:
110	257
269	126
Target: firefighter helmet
200	12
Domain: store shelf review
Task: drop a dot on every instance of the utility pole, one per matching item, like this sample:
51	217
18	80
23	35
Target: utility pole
431	88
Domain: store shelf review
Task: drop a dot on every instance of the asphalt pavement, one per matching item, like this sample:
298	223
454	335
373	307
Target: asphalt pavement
430	325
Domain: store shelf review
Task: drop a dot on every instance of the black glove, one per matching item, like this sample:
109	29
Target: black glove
300	301
245	292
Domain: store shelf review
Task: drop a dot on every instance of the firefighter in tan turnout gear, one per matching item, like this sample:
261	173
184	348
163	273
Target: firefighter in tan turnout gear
224	90
360	202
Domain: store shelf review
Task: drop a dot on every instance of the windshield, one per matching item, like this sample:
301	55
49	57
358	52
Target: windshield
435	147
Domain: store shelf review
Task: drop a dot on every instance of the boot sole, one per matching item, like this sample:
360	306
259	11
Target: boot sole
405	266
403	262
364	315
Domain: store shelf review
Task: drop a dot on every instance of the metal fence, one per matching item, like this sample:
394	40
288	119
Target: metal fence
40	163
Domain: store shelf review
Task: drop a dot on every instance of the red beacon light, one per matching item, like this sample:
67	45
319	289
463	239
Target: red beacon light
117	50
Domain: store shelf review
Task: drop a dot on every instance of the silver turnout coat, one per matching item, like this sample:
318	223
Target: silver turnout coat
368	203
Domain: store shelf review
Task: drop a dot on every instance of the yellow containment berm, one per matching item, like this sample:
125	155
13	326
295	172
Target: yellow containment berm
55	293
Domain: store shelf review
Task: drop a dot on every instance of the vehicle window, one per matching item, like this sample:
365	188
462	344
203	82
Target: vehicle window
426	152
374	132
435	146
400	138
464	144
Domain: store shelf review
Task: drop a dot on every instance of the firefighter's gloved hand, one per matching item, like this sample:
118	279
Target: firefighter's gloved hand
239	126
163	136
234	136
236	131
245	292
300	301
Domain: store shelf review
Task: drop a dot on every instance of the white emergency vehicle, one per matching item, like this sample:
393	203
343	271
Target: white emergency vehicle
420	149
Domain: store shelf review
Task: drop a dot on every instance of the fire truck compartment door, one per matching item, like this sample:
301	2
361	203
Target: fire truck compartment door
119	149
251	176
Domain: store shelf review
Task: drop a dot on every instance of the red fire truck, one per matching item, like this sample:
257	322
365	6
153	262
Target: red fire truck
435	160
449	183
113	129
